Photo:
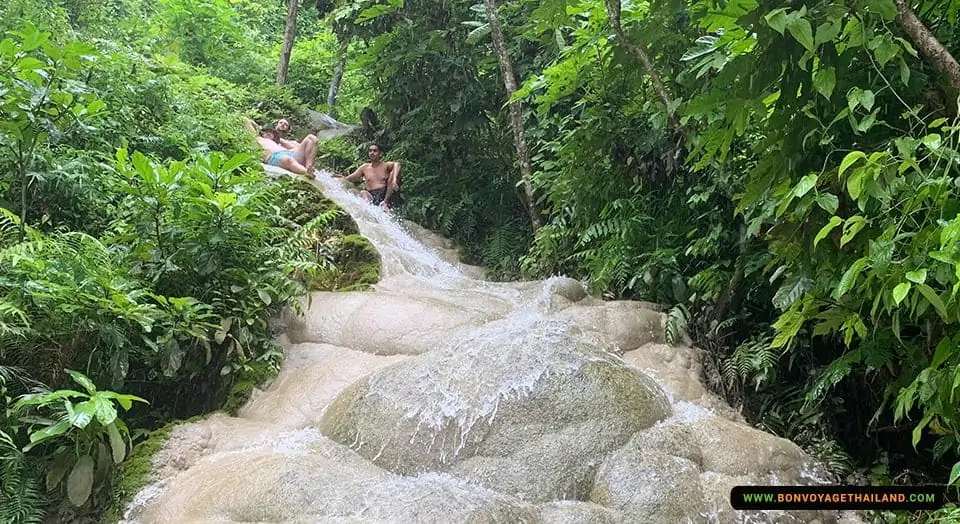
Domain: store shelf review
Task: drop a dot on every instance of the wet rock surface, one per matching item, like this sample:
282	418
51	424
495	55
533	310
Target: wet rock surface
438	397
521	408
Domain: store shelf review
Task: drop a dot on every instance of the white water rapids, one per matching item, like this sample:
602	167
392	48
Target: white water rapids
441	397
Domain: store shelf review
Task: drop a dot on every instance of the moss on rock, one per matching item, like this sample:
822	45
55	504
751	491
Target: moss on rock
356	266
254	375
356	262
136	472
301	203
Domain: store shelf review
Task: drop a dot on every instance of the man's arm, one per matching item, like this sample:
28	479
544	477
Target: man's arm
356	176
394	184
289	144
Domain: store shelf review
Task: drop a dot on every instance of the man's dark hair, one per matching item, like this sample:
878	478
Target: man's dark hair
380	149
270	131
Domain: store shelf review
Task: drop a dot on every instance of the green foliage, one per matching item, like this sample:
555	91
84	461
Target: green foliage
209	209
312	66
156	271
851	184
814	172
61	444
210	33
85	436
678	318
22	498
41	98
440	100
339	154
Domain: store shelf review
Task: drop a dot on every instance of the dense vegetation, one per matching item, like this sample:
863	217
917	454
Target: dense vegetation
143	249
782	175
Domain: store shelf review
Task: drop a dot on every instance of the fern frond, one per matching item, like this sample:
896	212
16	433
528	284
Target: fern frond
22	499
677	320
831	375
754	360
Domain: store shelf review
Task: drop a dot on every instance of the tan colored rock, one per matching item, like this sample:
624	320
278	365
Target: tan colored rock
625	326
379	323
736	449
567	288
678	370
650	486
324	483
520	407
576	512
312	376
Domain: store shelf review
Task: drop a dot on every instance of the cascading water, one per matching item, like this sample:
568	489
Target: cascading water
440	397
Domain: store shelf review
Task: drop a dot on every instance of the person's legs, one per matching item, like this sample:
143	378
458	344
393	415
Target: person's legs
307	151
290	163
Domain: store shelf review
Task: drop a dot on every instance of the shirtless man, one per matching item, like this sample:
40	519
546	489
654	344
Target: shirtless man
283	127
286	154
381	179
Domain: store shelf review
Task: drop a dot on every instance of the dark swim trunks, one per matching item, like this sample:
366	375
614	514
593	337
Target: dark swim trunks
377	195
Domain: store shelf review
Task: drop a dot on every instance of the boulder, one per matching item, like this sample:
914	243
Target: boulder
325	482
520	406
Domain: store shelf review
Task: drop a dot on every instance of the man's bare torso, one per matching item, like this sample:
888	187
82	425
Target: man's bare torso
375	177
271	146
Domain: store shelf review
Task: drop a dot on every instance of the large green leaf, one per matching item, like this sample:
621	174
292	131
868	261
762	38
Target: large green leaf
900	292
82	379
117	447
80	481
104	410
824	81
801	30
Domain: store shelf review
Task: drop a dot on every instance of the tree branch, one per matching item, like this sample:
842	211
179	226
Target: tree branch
927	44
640	50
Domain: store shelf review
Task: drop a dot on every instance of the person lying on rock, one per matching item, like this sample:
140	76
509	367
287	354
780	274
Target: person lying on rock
381	179
283	129
294	157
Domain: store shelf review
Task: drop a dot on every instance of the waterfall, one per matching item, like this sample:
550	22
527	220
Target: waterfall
442	397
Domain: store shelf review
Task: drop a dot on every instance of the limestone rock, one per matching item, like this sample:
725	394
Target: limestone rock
576	512
327	483
678	369
518	407
624	325
683	471
649	486
379	323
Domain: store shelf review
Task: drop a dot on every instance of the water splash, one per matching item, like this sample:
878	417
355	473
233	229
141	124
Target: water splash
402	254
456	398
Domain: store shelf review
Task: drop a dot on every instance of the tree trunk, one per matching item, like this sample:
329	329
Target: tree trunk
640	50
337	76
288	36
927	44
516	110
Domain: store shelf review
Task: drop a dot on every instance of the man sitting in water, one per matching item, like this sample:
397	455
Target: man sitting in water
292	156
381	179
